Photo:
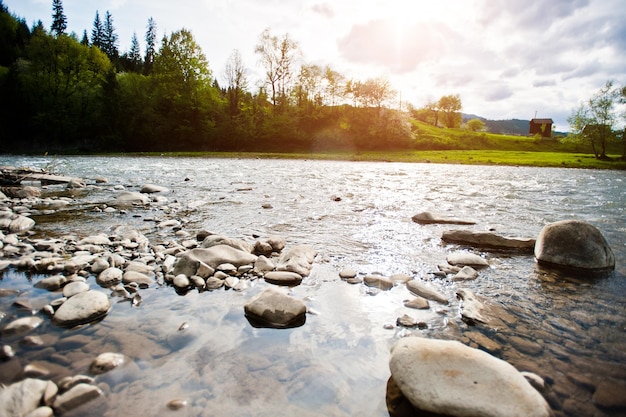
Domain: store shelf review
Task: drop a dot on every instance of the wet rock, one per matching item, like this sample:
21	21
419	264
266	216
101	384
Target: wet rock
151	189
214	240
100	239
466	273
130	197
273	308
110	277
99	265
347	273
139	278
378	281
105	362
21	398
400	278
418	303
424	290
21	325
610	394
263	264
574	245
298	259
472	310
74	288
213	283
484	342
176	404
75	397
430	218
82	308
52	283
526	346
76	184
488	240
406	321
283	278
449	378
21	224
188	262
466	259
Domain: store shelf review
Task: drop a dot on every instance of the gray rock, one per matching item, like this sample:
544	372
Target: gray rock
426	291
263	264
466	259
82	308
109	277
429	218
74	288
21	224
75	184
100	239
139	278
151	188
298	259
466	273
75	397
214	240
273	308
99	265
213	283
21	325
574	244
181	281
213	256
488	240
52	283
449	378
130	197
105	362
21	398
378	281
347	273
283	278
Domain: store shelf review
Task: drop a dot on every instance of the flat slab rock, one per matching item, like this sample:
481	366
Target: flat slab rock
488	240
450	378
430	218
275	309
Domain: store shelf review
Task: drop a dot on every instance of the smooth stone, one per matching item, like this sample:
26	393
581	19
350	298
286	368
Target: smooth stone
263	264
99	265
283	278
188	262
215	240
151	189
488	240
610	394
196	281
21	224
466	259
75	397
137	277
82	308
449	378
484	342
76	184
21	325
21	398
181	281
52	283
129	197
298	259
74	288
430	218
100	239
275	309
347	273
466	273
137	266
109	277
68	382
406	321
418	303
106	362
426	291
176	404
378	281
213	283
44	411
574	244
400	278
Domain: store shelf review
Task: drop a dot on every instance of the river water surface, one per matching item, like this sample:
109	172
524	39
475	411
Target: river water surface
572	332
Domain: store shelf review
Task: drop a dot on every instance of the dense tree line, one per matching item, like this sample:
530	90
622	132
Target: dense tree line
63	93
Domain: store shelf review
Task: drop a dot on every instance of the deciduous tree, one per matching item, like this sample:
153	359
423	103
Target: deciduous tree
278	56
450	108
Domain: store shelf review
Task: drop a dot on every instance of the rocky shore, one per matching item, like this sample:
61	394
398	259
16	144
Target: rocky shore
123	262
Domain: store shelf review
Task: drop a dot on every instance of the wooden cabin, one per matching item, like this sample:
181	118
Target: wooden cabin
541	126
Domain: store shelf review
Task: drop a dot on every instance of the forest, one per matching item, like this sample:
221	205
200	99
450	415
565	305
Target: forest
70	93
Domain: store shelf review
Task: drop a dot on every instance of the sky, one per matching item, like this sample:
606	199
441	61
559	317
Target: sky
506	59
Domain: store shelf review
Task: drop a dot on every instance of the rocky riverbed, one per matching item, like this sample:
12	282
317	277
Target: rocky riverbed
55	360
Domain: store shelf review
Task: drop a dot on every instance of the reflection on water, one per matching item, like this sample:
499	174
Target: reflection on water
357	215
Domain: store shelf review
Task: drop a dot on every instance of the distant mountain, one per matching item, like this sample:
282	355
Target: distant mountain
507	127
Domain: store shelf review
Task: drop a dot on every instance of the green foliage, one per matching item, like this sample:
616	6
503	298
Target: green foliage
476	125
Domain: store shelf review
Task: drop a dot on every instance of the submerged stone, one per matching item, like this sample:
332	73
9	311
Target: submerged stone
273	308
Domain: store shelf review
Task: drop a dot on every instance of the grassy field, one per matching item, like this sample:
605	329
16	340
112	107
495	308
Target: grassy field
460	146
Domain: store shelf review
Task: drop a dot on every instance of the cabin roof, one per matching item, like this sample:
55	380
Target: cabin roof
541	121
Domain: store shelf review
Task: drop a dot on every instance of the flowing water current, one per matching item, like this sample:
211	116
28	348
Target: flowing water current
571	332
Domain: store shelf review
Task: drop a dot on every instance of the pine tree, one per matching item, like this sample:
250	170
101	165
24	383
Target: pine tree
109	41
151	35
59	21
85	40
97	32
134	55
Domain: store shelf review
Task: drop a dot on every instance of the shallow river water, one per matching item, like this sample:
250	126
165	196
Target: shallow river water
572	332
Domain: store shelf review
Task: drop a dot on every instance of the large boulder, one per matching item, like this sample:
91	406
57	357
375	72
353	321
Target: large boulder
488	240
449	378
574	245
21	398
275	309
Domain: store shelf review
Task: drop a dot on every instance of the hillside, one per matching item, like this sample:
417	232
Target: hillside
506	127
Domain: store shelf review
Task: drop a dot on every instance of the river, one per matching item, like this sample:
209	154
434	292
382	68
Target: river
572	332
